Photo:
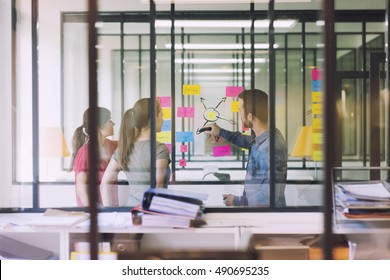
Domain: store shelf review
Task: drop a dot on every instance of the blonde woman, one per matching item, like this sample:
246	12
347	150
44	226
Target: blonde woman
133	155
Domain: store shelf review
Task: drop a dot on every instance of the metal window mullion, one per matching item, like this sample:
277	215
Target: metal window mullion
387	86
271	123
122	65
173	93
152	103
93	152
35	101
252	35
303	72
329	119
364	93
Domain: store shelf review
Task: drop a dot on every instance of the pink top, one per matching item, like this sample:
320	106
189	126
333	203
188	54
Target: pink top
81	165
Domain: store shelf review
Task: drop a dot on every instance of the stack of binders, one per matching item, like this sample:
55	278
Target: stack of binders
169	208
369	199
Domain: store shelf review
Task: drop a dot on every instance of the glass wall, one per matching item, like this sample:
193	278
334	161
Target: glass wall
216	54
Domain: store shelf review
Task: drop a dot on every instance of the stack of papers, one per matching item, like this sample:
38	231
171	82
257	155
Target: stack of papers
169	208
59	218
364	199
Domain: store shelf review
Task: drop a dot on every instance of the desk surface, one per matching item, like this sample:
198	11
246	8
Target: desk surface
216	222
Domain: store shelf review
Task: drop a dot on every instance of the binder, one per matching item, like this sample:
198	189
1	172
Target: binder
171	194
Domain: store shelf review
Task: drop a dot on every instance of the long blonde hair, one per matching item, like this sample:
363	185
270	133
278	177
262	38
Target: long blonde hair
133	121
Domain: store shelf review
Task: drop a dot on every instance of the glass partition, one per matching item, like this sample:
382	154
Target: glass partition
213	61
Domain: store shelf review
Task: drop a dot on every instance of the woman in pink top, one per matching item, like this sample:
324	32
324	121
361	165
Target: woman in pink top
80	155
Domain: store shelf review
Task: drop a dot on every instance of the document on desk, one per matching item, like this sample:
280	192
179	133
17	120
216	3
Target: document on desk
366	190
59	218
57	221
13	220
112	220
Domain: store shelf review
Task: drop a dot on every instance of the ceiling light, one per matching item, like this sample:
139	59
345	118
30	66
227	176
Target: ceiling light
204	23
221	1
99	24
225	23
217	60
216	71
219	78
190	46
277	23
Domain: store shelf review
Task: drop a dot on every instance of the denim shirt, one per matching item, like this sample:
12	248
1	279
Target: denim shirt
256	191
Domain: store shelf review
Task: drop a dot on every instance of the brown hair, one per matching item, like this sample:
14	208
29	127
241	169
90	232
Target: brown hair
255	101
80	136
133	120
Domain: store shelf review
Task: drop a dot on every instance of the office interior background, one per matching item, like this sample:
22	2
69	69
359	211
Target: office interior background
217	44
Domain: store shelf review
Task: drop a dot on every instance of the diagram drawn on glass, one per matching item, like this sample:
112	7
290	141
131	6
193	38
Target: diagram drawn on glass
211	115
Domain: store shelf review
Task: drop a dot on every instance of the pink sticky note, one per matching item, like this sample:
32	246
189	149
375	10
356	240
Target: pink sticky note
183	148
315	74
165	101
243	128
220	151
233	91
182	162
186	112
169	146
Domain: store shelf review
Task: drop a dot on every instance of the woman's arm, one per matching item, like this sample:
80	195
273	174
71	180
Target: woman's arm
161	169
109	179
82	188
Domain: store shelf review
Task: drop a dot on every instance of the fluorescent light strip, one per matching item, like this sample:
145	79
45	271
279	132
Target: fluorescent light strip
99	24
219	78
225	23
288	23
215	71
191	46
221	1
216	60
204	23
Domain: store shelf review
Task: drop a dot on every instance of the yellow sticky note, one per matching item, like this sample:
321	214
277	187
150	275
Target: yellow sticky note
317	123
166	113
191	89
316	96
234	106
317	109
164	137
317	138
211	115
318	155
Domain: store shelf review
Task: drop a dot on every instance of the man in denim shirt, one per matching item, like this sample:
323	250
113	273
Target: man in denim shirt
253	108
